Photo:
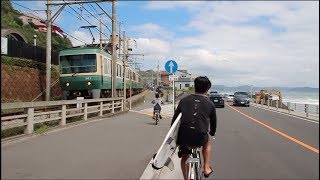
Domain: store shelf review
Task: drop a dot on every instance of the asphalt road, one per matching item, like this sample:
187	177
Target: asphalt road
251	143
248	145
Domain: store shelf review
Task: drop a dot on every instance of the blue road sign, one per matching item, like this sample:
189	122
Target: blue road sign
171	66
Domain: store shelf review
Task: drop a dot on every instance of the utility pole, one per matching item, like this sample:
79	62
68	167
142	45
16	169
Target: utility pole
100	32
158	75
114	53
48	52
124	66
152	79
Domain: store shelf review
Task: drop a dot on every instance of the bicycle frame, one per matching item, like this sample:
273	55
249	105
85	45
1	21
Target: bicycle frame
193	164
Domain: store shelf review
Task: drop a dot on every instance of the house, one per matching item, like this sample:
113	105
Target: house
164	76
39	24
185	80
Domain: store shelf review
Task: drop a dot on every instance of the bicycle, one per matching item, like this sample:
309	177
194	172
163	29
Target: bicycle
157	116
193	164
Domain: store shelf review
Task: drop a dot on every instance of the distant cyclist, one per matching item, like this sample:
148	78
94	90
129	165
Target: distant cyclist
157	105
198	112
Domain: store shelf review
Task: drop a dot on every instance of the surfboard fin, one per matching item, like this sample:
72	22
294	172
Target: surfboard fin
169	164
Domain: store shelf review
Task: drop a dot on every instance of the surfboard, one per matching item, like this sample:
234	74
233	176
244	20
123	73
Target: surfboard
168	146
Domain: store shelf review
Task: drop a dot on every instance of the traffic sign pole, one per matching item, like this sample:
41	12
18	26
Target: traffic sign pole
171	67
173	89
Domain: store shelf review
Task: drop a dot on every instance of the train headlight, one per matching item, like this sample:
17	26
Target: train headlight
89	83
67	84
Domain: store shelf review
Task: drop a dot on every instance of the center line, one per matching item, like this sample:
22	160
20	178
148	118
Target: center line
277	131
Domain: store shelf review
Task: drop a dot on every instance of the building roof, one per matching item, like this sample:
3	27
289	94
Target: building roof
164	73
184	71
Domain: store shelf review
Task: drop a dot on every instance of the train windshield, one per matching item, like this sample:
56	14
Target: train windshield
84	63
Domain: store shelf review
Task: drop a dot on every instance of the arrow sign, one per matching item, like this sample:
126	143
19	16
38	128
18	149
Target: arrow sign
171	66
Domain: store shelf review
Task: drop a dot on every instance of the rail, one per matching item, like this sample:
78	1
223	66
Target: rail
32	113
305	109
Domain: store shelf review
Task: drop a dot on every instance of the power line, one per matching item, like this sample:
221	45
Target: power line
85	19
97	19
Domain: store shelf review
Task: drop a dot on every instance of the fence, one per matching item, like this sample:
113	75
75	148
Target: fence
307	109
46	111
28	51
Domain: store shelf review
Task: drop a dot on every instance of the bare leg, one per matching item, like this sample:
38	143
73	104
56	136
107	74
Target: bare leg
183	165
206	152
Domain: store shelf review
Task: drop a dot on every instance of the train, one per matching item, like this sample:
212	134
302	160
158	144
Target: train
86	72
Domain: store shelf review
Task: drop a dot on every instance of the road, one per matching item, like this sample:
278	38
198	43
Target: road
251	143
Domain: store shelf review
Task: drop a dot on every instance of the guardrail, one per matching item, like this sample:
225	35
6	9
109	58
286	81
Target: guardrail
307	109
45	111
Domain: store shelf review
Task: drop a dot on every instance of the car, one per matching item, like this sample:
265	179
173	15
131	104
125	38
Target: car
230	98
241	98
213	92
217	99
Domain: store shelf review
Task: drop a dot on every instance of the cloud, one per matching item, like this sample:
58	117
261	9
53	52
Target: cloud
151	30
260	43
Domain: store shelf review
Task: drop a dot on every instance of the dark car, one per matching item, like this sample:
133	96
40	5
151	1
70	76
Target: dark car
217	99
241	98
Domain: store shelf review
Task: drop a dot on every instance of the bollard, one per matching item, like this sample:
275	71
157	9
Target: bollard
268	103
288	105
64	115
130	104
30	119
277	104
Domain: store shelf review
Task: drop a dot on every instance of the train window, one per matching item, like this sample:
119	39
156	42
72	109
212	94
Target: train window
127	73
84	63
119	70
105	65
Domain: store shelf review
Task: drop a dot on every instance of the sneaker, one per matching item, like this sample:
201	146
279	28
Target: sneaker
153	117
160	117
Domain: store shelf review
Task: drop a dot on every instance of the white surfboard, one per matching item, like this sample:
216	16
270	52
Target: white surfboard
168	146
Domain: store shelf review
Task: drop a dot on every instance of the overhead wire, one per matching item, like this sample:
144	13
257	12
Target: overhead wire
85	19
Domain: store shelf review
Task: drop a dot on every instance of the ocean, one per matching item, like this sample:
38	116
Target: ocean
295	97
298	100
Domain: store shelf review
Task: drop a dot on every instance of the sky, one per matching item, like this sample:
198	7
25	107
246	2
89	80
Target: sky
259	43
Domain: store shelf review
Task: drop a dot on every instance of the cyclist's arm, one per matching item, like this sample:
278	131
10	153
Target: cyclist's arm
176	113
213	122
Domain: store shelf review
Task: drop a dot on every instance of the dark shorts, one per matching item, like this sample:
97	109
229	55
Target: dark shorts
190	138
157	107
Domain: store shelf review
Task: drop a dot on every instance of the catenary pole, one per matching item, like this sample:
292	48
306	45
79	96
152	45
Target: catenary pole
48	52
124	66
114	52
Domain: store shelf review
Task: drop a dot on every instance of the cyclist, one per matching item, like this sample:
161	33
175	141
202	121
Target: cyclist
197	113
157	105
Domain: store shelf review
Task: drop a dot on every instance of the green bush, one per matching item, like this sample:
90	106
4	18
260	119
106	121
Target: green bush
12	132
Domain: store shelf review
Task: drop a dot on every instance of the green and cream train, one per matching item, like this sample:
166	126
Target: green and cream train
86	72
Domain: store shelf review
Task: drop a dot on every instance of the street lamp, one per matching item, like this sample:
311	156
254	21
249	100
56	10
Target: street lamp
35	40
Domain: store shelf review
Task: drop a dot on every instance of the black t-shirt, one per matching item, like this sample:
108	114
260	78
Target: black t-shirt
197	107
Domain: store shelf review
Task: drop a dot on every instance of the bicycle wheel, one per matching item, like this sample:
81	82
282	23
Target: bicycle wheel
157	117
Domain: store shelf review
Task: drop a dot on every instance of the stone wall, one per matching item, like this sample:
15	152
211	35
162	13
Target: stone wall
25	84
